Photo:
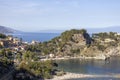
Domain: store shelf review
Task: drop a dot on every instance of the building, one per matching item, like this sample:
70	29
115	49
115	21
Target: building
34	42
109	40
4	43
17	41
10	38
51	55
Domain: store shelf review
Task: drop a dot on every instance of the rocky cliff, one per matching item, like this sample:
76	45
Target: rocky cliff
101	45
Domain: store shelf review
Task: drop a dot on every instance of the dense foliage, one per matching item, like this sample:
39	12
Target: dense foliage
2	35
41	69
5	66
104	35
30	63
67	35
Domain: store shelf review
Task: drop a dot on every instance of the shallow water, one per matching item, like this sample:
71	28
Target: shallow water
99	67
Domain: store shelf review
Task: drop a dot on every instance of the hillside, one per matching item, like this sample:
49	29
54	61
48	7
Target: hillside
78	43
4	29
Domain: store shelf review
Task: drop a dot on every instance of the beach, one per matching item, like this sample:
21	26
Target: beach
67	58
69	75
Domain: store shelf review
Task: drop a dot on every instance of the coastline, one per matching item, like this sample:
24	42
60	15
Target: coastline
69	75
82	58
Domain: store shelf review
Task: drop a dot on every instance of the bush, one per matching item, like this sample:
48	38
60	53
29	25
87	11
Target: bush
2	35
67	35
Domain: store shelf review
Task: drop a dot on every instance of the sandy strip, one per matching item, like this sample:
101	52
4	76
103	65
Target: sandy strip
74	75
63	58
67	58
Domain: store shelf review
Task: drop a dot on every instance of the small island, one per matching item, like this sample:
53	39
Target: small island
33	61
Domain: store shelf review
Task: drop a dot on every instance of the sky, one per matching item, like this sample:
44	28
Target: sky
36	15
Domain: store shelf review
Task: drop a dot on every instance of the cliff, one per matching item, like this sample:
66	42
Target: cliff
100	45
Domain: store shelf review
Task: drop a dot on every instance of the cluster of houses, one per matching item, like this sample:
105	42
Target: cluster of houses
10	41
14	42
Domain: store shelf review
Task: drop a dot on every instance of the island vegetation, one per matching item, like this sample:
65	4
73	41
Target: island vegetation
78	43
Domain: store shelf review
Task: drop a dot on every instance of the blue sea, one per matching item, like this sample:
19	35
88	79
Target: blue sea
41	37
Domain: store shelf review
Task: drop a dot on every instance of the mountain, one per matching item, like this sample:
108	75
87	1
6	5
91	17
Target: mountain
4	29
89	30
106	29
51	31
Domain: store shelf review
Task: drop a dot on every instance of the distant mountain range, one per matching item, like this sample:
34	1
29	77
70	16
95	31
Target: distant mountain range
90	30
51	31
4	29
106	29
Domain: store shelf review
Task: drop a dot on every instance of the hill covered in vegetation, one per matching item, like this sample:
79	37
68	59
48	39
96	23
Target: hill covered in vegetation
78	43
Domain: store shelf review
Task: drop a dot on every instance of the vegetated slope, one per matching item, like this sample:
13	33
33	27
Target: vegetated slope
70	43
75	43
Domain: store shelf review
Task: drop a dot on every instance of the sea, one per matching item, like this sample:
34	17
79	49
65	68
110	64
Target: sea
99	67
40	37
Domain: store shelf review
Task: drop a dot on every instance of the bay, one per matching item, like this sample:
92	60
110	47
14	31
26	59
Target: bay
92	67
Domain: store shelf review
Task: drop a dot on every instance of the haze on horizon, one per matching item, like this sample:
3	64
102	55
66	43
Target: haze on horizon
35	15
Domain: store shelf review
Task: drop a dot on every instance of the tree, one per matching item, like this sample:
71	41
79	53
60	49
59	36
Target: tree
27	55
2	35
19	56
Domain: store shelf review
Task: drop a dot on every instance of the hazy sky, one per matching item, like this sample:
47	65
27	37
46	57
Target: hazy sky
35	15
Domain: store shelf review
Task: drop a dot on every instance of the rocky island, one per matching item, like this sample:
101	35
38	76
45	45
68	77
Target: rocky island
79	44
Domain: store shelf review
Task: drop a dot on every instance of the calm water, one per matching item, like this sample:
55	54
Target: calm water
36	36
92	67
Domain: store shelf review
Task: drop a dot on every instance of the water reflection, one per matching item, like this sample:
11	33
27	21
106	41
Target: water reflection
91	66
